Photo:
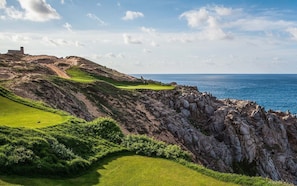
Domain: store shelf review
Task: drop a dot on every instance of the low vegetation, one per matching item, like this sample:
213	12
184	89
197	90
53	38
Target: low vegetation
18	112
18	115
129	170
143	145
81	76
147	87
76	152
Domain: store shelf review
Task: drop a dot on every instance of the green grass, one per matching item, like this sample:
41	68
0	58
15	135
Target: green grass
128	170
15	114
78	75
147	86
139	170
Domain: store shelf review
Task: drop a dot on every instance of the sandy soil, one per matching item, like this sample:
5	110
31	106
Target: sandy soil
58	71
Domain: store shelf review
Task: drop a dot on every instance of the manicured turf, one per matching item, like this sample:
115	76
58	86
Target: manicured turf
83	77
139	170
129	170
14	114
80	76
148	87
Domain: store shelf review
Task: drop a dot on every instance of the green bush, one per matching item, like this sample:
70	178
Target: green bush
3	159
78	165
19	155
105	128
61	151
80	146
144	145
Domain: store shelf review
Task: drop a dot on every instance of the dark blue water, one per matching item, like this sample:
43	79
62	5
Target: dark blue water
273	91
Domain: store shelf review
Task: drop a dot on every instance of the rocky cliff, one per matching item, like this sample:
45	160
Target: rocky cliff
225	135
233	135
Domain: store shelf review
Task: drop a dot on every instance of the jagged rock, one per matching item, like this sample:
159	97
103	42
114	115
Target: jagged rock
186	112
221	134
236	132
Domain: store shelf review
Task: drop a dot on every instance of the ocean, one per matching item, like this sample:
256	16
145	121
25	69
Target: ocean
272	91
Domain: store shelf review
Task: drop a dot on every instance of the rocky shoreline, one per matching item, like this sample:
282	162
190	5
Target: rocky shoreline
229	135
232	135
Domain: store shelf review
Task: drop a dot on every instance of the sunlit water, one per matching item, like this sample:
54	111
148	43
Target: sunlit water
273	91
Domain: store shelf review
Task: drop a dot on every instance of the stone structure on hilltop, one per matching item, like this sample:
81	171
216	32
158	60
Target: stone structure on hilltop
21	51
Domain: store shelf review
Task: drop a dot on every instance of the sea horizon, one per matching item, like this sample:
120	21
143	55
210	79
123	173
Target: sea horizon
272	91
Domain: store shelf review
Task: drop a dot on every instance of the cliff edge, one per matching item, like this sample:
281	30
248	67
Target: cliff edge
226	135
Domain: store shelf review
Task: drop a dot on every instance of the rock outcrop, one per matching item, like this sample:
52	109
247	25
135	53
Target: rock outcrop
225	135
232	135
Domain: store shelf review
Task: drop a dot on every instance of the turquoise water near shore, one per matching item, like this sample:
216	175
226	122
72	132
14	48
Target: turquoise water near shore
273	91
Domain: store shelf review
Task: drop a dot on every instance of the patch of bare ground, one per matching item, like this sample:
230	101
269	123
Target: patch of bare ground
58	71
90	106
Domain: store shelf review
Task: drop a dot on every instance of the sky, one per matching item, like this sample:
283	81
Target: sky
158	36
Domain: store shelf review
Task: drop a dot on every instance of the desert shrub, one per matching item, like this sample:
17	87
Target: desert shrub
144	145
105	128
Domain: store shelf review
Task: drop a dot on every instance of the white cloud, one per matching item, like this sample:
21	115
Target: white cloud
78	44
38	10
118	4
214	34
147	51
110	55
2	4
67	26
293	32
182	38
195	18
113	55
218	22
94	17
20	38
258	24
60	42
129	40
130	15
32	10
13	13
223	11
62	1
151	31
206	20
154	44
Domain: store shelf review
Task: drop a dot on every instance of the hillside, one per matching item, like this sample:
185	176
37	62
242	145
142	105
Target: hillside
77	152
226	135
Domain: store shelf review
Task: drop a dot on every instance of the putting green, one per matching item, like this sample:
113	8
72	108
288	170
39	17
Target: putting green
15	114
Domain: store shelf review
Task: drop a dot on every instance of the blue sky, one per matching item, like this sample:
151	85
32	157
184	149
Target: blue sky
164	36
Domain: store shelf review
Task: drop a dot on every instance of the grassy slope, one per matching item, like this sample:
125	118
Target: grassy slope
83	77
138	170
144	171
128	170
147	86
77	75
15	114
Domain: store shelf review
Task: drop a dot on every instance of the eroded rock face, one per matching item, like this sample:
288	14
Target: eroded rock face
233	135
224	135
